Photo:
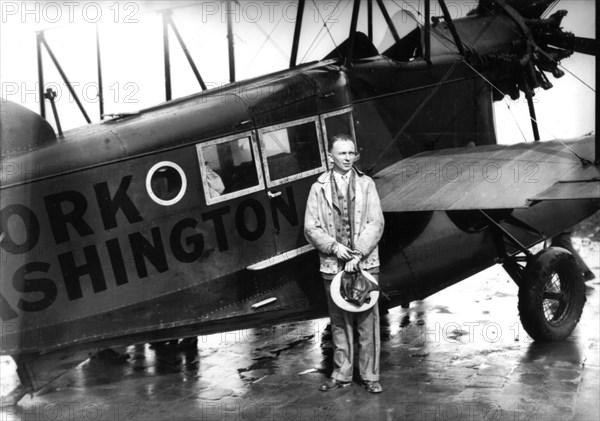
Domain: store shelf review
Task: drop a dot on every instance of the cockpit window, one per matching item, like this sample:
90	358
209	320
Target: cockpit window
229	167
291	151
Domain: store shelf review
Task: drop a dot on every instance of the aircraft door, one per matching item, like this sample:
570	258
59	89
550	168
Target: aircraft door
293	156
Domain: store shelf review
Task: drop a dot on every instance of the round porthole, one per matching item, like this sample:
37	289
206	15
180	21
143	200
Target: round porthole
166	183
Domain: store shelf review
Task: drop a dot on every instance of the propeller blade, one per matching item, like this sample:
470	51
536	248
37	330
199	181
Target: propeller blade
585	46
570	42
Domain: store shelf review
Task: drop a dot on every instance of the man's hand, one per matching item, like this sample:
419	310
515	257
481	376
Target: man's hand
343	253
352	265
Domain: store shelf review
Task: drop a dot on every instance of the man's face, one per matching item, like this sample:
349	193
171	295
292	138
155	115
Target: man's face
343	154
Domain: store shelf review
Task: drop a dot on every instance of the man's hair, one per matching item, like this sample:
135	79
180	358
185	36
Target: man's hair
338	137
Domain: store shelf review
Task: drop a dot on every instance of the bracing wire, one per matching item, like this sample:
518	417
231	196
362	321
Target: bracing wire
410	5
532	119
308	50
515	120
314	43
268	37
439	38
576	77
503	94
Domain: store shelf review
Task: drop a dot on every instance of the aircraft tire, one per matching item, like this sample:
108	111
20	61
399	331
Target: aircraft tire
552	296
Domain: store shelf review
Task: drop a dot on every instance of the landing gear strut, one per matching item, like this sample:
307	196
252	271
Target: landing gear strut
551	287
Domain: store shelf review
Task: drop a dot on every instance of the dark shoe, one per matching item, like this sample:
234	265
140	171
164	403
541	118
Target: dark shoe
588	276
372	387
332	384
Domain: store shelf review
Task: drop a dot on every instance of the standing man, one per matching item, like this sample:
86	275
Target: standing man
344	222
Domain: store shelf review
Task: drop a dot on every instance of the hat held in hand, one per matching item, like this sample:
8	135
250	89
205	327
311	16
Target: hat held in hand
354	291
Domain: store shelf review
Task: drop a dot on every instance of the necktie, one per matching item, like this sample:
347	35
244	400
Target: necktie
343	185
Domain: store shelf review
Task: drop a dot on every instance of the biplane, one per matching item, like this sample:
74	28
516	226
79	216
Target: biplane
185	218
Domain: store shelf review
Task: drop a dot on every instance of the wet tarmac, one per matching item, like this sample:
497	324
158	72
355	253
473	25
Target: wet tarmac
461	354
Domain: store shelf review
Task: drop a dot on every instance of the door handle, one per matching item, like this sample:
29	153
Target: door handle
273	195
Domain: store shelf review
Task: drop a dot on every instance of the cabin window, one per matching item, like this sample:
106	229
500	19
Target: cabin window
339	122
166	183
291	151
229	167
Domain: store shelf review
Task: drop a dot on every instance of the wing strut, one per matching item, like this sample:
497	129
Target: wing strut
370	19
297	31
499	230
99	72
230	41
190	60
389	21
452	28
428	31
528	64
532	115
166	57
42	41
353	25
40	64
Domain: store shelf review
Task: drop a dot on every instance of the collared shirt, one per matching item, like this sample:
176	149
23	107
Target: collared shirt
342	182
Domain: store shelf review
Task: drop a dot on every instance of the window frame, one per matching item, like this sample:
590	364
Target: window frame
228	196
304	174
326	135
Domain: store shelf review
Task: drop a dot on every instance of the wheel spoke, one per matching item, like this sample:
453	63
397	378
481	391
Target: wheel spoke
556	299
550	309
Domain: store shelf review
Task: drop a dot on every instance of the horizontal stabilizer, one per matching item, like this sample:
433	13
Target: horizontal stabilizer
485	177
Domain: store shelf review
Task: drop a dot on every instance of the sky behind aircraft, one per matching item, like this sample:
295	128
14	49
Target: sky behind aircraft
132	54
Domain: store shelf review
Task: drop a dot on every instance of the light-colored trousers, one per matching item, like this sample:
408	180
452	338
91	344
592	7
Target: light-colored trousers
342	331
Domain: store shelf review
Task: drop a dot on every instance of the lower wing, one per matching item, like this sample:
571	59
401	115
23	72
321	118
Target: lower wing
491	177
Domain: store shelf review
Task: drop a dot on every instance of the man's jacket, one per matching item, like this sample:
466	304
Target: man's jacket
319	221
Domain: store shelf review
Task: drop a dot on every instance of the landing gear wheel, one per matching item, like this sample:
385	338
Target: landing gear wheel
552	296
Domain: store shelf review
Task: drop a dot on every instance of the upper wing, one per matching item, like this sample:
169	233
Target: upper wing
490	177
